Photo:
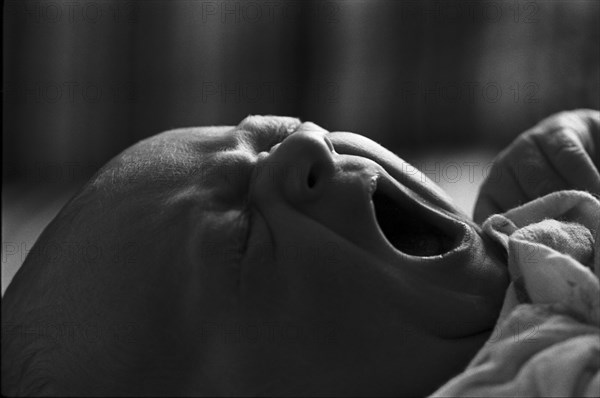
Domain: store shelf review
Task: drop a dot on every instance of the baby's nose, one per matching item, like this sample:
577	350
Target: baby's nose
307	160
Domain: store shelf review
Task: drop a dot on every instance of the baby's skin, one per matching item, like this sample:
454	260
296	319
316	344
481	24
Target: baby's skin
270	258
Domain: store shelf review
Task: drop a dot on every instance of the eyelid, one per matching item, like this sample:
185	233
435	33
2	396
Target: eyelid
261	140
274	142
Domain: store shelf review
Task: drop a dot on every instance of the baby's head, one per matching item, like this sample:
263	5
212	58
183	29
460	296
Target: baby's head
268	258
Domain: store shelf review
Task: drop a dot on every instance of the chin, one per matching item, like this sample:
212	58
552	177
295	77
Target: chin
459	274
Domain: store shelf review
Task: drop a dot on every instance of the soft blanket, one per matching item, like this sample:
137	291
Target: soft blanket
547	339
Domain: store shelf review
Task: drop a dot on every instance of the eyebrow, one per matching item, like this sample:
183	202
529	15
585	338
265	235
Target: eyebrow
221	156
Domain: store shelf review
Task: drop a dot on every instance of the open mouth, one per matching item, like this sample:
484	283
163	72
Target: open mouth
409	226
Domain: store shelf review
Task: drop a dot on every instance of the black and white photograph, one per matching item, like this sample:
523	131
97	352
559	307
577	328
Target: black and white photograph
303	198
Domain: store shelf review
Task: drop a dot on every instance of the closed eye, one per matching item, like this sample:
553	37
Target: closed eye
246	217
263	141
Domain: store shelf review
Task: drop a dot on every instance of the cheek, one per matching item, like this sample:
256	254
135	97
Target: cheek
326	303
321	282
333	311
211	250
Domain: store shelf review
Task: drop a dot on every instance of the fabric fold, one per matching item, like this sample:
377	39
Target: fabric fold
547	338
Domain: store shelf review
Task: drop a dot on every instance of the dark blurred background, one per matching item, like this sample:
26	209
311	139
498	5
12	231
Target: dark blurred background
84	79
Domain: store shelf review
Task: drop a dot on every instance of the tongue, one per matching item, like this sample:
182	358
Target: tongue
420	244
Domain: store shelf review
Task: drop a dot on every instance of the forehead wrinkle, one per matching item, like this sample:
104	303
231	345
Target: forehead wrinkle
229	173
218	181
269	123
201	154
259	133
219	163
216	143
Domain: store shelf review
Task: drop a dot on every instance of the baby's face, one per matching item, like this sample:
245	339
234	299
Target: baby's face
283	258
